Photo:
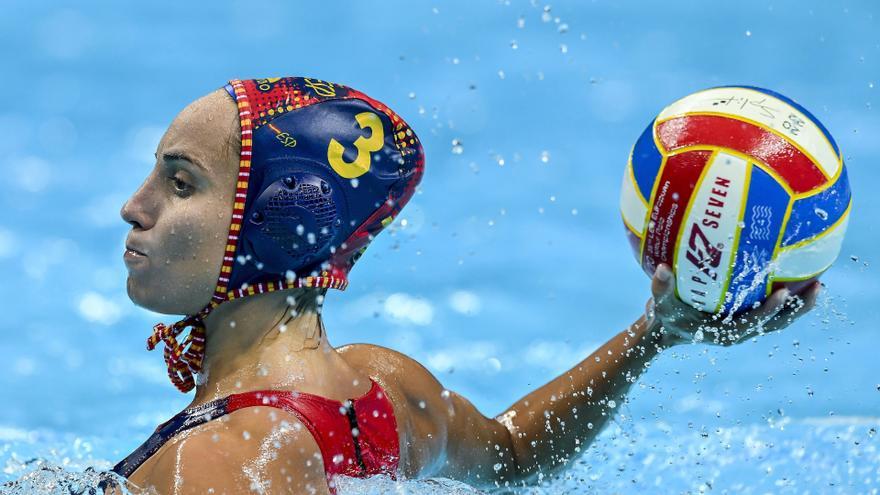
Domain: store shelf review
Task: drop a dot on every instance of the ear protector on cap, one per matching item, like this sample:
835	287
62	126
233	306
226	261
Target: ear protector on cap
294	222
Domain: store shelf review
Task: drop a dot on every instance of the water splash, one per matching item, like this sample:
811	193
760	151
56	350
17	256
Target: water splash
382	485
45	478
783	456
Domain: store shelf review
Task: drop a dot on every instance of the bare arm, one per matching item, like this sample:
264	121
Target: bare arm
550	426
554	423
542	431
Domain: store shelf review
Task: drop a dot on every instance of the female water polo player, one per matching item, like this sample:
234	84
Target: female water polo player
263	196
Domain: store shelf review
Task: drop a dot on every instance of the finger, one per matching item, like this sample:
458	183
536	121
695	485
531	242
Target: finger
667	303
758	331
662	283
795	307
759	316
811	295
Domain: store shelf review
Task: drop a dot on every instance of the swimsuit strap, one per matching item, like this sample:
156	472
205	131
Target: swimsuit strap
357	438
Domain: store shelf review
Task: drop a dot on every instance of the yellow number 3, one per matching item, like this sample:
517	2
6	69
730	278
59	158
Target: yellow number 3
365	146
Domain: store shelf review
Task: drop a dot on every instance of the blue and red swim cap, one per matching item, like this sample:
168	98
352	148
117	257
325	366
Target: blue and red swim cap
323	169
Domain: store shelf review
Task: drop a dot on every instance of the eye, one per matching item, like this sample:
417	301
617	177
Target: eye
179	186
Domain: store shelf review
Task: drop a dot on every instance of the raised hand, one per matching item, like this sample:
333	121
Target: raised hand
679	322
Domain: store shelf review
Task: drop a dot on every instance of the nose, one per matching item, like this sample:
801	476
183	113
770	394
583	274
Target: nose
137	211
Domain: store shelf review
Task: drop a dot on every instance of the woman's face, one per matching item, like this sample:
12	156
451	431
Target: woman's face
180	215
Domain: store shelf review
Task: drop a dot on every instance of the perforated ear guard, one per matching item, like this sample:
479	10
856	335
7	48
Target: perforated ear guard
295	222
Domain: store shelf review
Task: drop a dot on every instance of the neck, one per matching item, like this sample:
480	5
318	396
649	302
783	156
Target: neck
269	341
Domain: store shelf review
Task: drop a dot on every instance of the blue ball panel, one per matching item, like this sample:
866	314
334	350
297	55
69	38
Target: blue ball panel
814	214
646	159
765	209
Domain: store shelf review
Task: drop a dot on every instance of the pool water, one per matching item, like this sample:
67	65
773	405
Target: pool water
508	266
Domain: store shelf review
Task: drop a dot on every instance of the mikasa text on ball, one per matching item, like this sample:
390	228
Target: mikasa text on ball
739	189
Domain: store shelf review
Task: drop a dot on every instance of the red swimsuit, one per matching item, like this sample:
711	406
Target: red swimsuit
357	438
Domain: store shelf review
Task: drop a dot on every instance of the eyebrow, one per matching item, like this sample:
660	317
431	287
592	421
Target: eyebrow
181	156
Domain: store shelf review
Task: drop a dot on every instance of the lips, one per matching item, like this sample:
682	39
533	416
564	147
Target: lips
132	250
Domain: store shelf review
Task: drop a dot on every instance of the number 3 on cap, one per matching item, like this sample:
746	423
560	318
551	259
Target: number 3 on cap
365	146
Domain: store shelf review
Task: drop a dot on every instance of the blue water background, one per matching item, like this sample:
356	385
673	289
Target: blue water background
512	265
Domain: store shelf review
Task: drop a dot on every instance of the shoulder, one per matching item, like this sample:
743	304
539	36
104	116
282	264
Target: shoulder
251	449
380	360
422	405
406	380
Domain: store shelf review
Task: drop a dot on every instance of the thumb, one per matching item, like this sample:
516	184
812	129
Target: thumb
662	283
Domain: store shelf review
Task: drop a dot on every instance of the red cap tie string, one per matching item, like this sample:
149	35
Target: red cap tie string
184	358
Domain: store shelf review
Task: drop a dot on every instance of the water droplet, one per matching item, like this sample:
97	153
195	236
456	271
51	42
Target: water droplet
821	213
495	364
521	22
545	157
748	33
545	16
612	404
497	467
574	211
412	95
501	74
422	404
563	28
513	44
457	147
354	183
337	459
246	435
563	48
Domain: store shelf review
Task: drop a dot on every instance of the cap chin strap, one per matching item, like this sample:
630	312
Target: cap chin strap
185	357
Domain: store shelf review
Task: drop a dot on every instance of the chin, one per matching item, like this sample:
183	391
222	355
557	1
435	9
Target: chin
159	300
